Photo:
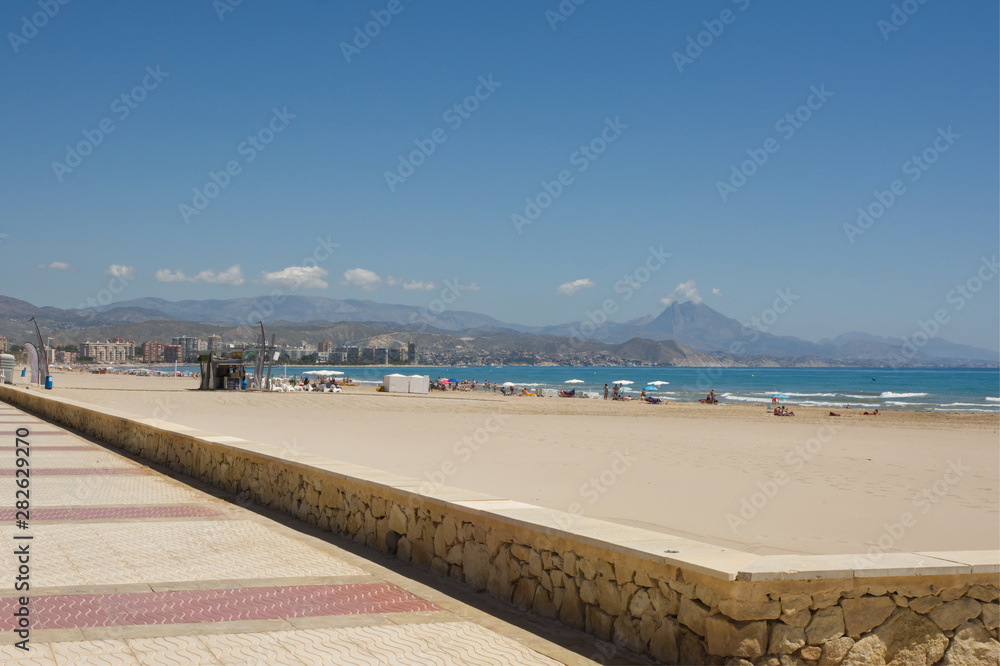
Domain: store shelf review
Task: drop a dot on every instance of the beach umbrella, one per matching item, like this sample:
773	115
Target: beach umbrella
650	388
622	381
507	384
453	381
573	381
444	381
780	395
658	383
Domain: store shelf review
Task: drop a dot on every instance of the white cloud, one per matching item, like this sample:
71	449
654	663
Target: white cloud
419	284
120	270
362	277
58	266
296	277
684	290
716	291
231	276
570	288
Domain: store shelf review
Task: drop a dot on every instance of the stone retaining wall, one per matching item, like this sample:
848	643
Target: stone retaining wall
678	600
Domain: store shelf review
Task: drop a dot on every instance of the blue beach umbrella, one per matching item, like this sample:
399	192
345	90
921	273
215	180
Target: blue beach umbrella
782	396
650	388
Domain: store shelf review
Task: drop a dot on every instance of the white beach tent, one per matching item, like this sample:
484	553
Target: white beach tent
396	383
419	383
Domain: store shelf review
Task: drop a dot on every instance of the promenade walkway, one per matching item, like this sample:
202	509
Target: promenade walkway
127	565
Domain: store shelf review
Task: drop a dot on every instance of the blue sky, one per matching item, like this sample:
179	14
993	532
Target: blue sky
331	121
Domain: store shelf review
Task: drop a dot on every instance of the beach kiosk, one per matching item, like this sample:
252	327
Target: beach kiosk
221	374
7	368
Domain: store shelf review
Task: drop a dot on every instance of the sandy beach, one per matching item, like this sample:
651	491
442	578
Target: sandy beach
733	475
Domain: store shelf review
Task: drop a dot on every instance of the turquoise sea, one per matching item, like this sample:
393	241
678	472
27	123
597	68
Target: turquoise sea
951	390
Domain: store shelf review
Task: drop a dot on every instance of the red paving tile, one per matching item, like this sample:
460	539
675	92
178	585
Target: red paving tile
240	604
79	471
97	513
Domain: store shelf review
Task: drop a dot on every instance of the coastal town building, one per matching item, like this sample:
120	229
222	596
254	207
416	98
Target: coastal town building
193	347
3	343
152	352
325	346
173	354
108	352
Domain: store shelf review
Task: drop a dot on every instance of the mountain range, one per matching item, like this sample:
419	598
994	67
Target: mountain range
683	332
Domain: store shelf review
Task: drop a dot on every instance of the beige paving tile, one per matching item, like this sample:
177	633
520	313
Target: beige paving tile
70	491
70	554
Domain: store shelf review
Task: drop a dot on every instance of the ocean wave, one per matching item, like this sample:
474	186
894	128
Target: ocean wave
863	396
965	409
990	398
905	404
811	395
824	403
890	394
743	398
965	404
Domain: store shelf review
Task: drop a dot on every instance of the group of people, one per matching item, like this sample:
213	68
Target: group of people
710	399
618	392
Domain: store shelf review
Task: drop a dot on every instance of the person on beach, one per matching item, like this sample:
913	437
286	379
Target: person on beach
605	391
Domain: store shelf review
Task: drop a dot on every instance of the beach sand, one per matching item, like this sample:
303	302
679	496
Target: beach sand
732	475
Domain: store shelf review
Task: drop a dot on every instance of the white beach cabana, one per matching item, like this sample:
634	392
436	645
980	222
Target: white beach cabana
396	383
419	383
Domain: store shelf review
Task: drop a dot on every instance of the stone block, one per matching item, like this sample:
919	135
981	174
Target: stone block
520	551
524	593
750	610
439	565
544	604
626	634
826	624
599	623
729	638
455	554
793	603
989	616
692	615
663	643
639	604
570	563
953	613
971	645
572	608
905	638
648	624
476	565
924	604
535	567
609	596
833	652
811	652
786	639
865	613
984	593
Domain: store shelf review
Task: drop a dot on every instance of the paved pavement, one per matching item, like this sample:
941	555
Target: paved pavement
127	565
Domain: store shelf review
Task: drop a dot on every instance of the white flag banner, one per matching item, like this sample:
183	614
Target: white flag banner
32	361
